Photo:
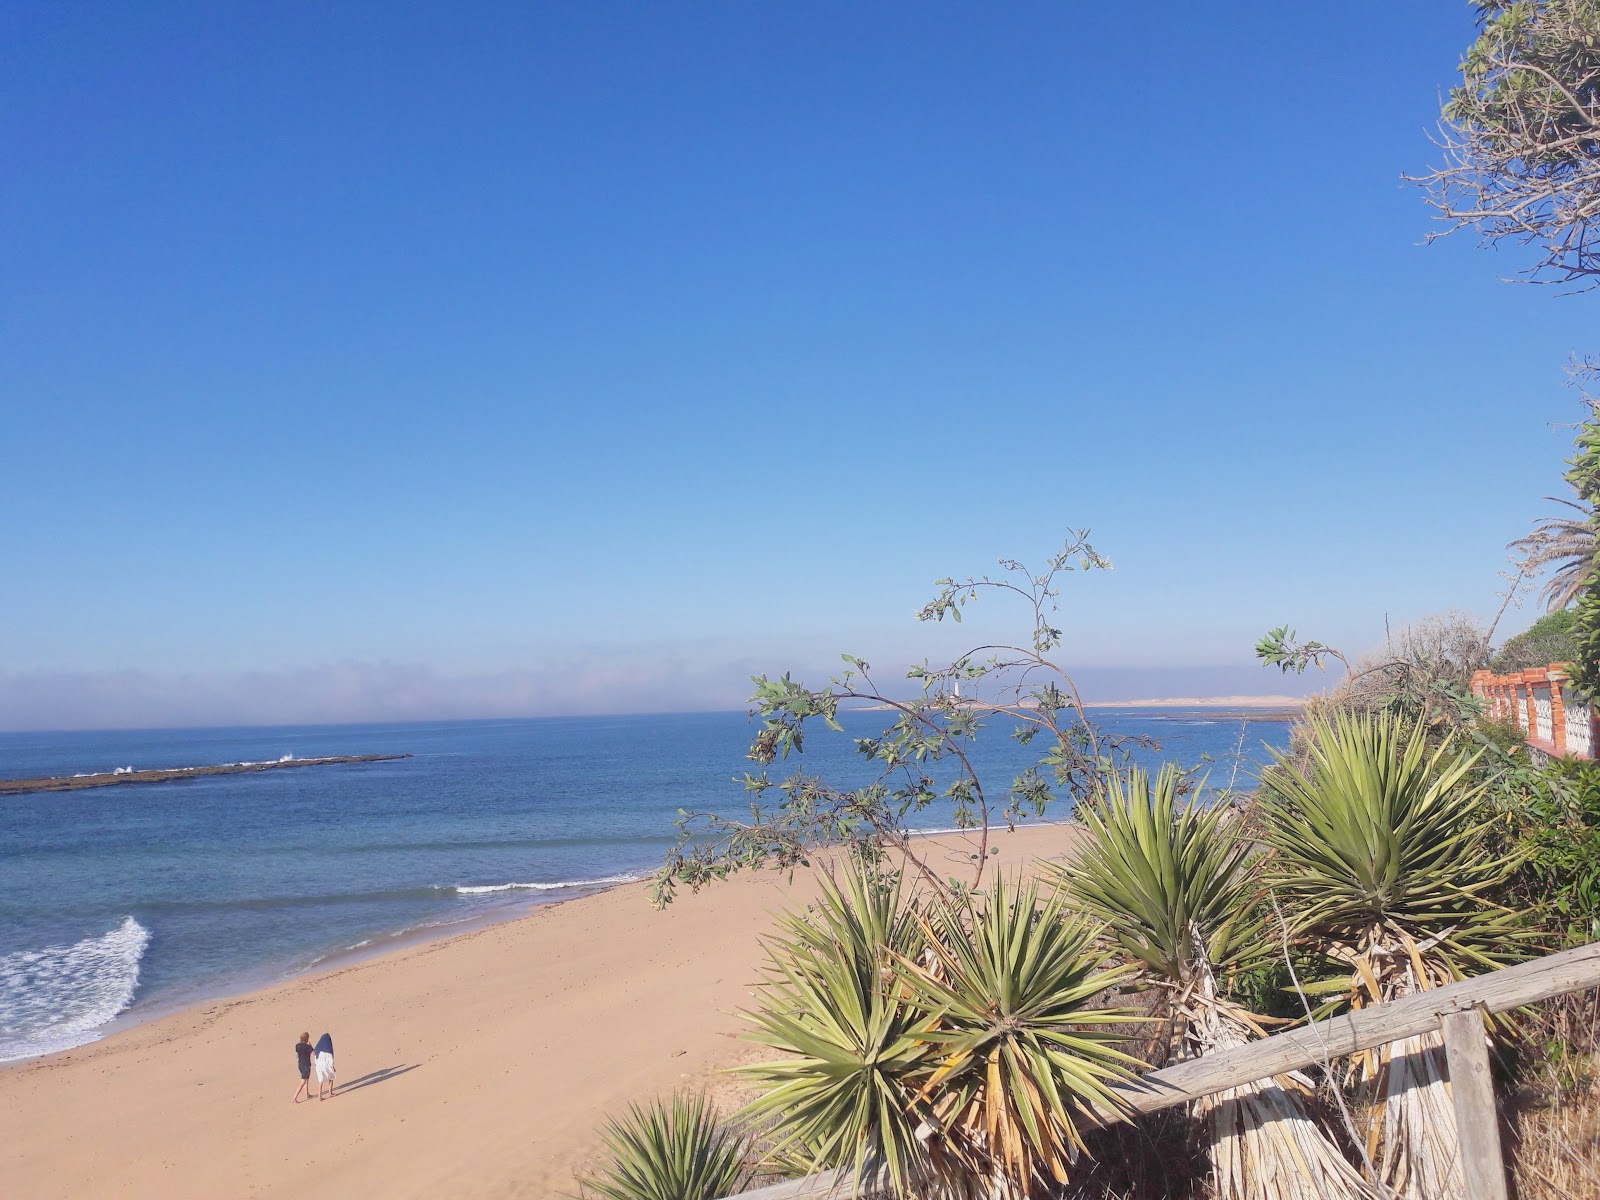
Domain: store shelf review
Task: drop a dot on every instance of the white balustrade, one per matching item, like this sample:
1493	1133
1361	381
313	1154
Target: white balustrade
1580	740
1543	729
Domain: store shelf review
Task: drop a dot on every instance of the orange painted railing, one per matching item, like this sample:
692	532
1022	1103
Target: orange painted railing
1540	700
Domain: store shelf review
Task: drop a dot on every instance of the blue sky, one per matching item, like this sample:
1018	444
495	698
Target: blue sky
377	360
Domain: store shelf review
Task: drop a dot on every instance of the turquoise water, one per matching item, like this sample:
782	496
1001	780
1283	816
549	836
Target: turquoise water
125	899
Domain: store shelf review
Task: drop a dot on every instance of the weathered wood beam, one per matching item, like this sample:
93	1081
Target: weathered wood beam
829	1185
1337	1037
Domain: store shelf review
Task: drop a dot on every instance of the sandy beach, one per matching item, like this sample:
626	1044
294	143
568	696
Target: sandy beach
475	1066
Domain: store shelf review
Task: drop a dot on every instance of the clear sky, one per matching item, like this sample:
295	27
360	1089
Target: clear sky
361	361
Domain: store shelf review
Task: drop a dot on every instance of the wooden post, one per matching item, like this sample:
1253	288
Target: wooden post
1477	1123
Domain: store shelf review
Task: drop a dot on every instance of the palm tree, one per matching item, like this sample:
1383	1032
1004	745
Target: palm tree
1380	853
1568	541
1174	885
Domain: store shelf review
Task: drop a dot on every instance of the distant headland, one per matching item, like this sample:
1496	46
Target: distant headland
73	783
1295	702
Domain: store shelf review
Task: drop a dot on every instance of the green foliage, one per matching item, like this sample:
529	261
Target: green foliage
1171	882
1558	836
1584	476
1382	843
1527	60
1424	670
972	1022
1547	640
673	1150
1521	134
922	756
1278	648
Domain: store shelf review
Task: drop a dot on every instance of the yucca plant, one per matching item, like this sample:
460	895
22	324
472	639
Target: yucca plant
1381	858
1026	1056
1171	881
955	1045
670	1150
834	1002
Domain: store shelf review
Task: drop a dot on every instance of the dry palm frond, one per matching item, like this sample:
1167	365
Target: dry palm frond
1266	1141
1173	885
1421	1155
1564	540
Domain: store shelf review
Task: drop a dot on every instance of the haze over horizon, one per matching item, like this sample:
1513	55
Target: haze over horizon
360	693
366	364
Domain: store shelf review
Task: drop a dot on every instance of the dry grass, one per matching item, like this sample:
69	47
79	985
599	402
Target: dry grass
1156	1156
1551	1102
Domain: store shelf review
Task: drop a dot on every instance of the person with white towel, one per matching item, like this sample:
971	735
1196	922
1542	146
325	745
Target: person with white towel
324	1065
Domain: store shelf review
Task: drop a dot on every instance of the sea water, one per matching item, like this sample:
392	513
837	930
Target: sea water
123	901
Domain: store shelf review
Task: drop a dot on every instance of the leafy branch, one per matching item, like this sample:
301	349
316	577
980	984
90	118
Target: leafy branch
923	756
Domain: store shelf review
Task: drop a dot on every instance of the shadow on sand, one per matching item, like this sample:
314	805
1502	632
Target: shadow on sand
372	1077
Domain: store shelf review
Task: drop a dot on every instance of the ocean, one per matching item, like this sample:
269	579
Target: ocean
122	902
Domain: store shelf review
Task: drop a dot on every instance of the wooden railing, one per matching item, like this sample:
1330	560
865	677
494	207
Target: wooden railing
1458	1010
1554	721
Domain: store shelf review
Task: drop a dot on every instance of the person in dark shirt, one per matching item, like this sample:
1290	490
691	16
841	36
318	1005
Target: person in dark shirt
302	1050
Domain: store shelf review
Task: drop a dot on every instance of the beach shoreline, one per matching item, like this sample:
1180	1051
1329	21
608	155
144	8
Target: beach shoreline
479	1063
247	982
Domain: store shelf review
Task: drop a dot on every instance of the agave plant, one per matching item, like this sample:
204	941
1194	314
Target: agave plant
1380	854
670	1150
1025	1054
1172	884
834	1002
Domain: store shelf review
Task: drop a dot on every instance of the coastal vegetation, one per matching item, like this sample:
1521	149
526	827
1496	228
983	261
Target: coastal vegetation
964	1034
666	1150
1175	889
1547	640
1520	137
1380	854
922	756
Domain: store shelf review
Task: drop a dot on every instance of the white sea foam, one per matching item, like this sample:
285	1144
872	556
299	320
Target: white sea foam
465	890
59	997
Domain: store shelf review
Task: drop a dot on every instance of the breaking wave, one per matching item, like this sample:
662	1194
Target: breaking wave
480	889
59	997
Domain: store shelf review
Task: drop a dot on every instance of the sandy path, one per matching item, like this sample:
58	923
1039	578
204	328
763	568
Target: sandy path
488	1059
